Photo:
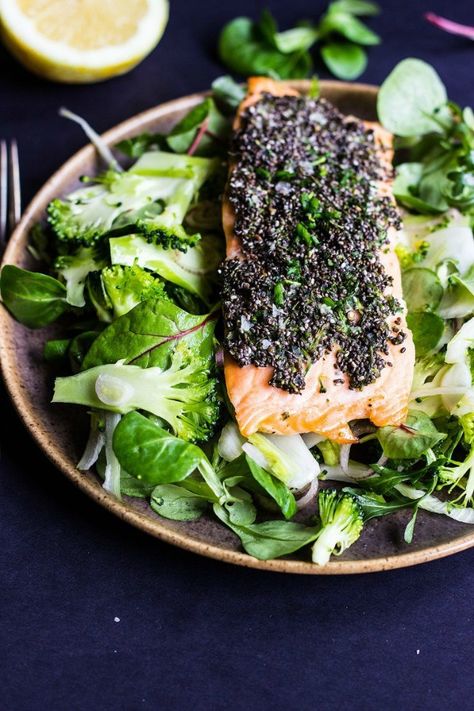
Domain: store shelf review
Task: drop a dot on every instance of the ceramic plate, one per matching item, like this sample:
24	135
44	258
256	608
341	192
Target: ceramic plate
61	431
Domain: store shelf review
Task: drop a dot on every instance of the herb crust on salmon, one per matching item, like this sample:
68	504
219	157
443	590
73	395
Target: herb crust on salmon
309	285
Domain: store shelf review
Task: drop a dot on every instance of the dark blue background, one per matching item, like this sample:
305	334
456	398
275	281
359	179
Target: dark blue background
194	633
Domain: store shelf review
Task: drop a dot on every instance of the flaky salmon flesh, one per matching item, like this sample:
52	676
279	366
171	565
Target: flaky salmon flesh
261	407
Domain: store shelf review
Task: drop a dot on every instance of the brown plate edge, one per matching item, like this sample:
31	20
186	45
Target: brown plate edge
119	508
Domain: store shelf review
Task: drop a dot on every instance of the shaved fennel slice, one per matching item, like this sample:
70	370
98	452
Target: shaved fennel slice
94	446
355	471
434	505
286	456
230	442
112	467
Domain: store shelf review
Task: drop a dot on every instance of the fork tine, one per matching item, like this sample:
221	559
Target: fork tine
3	192
14	189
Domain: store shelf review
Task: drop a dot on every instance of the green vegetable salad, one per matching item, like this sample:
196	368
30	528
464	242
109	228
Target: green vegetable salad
130	261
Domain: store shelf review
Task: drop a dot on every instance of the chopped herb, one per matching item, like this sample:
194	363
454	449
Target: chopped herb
278	224
279	294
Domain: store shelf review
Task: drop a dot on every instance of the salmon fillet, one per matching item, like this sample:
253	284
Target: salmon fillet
261	407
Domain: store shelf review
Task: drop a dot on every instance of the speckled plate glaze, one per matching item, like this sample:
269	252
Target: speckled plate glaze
61	430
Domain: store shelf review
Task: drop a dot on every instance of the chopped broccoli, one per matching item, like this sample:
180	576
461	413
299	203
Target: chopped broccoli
151	199
125	287
74	268
184	395
194	269
341	524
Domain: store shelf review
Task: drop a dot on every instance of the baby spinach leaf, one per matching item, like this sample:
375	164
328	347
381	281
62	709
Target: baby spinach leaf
245	49
427	329
409	440
345	60
410	98
422	289
147	336
150	453
34	299
298	39
348	26
177	503
270	539
227	92
275	488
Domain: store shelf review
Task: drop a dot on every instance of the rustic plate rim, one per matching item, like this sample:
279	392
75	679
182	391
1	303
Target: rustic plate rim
120	508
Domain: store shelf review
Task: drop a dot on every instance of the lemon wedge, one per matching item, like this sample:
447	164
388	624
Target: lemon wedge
82	40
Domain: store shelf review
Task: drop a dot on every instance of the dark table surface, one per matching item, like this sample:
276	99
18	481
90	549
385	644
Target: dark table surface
96	615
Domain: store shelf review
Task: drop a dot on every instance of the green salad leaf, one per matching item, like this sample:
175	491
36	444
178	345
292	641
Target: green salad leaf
177	503
422	289
227	93
275	488
437	140
270	539
148	334
374	505
409	440
203	131
244	48
345	60
427	330
258	48
34	299
410	98
347	25
151	454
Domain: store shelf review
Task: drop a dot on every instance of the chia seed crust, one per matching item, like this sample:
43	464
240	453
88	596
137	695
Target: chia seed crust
311	224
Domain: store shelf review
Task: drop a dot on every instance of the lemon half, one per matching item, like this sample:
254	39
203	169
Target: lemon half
82	40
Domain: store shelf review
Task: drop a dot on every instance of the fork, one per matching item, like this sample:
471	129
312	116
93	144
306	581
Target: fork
10	191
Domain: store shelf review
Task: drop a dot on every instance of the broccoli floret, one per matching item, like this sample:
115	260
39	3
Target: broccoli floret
184	395
460	475
74	268
341	524
151	199
125	287
194	269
